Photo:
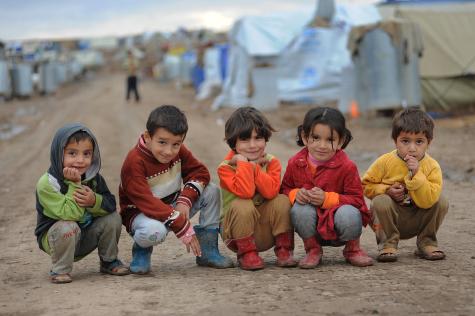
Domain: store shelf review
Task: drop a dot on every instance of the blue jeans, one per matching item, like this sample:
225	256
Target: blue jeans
149	232
348	222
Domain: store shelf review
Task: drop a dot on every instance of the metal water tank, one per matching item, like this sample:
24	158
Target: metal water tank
47	78
386	66
377	75
5	80
22	79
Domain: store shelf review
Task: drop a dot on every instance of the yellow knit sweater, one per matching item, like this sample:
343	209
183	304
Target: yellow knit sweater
424	187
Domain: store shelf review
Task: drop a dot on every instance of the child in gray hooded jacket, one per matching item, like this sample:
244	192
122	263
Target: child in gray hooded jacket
76	211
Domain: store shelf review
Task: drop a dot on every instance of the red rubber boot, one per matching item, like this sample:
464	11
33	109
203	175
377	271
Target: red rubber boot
248	258
284	248
314	254
355	255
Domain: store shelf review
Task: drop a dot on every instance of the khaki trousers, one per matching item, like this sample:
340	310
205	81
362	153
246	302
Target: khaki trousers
68	243
392	222
264	221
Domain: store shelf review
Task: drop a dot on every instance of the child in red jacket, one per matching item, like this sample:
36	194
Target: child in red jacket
325	189
255	216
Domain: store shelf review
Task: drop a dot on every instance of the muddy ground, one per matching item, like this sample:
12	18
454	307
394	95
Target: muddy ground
177	286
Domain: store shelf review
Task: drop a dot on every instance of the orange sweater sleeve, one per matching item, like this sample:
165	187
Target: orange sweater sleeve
332	199
268	182
239	180
293	195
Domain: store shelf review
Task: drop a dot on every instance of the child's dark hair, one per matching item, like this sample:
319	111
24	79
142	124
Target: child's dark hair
327	116
413	120
168	117
80	136
242	122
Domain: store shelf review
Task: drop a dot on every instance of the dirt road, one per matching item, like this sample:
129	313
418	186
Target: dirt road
177	286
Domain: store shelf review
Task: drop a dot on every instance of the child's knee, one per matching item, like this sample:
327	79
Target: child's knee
113	221
151	234
303	213
243	208
381	204
64	230
348	223
443	205
281	202
212	191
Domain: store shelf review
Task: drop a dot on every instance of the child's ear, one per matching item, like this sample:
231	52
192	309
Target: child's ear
147	137
304	138
340	144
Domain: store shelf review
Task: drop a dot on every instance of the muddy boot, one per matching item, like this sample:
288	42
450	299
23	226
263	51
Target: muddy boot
284	248
355	255
248	258
313	255
140	259
210	256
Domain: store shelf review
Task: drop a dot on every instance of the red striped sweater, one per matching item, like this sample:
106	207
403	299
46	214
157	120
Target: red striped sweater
149	187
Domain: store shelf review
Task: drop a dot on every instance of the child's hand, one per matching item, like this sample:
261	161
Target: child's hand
72	174
262	161
396	192
317	196
84	196
412	164
236	158
302	196
191	242
183	209
194	245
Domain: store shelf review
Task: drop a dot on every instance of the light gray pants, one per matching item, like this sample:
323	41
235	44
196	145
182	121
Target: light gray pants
68	243
149	232
348	222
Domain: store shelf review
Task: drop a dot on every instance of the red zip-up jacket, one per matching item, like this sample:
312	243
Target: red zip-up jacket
340	180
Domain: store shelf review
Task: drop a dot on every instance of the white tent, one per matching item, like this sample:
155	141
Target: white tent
310	69
277	57
253	40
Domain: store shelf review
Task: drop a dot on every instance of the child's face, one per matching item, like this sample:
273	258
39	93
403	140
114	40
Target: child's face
320	143
412	144
78	155
163	144
251	148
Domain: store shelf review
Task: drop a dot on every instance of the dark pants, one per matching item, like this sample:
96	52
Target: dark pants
132	86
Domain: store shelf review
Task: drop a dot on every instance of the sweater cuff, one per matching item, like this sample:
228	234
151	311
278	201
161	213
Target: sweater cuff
332	199
293	195
416	182
180	233
188	196
96	210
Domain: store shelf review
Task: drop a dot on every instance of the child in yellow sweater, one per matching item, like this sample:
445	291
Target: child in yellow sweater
405	187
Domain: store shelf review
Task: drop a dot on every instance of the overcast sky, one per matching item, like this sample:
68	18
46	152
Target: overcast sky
32	19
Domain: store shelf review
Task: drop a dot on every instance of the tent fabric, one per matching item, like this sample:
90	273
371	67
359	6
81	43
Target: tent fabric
284	40
448	94
310	68
399	30
447	32
268	35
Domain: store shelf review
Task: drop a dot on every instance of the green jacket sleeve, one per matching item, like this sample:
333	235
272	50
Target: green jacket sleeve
55	204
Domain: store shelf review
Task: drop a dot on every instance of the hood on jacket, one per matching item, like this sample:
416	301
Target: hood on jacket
60	140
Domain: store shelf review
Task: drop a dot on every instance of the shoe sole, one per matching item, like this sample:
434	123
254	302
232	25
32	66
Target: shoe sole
105	271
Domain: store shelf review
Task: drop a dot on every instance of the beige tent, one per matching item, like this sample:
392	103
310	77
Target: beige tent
447	67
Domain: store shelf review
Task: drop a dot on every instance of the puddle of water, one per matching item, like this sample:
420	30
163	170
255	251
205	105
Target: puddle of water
8	131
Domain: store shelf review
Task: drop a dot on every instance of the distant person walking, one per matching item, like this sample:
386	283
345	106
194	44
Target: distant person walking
131	66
